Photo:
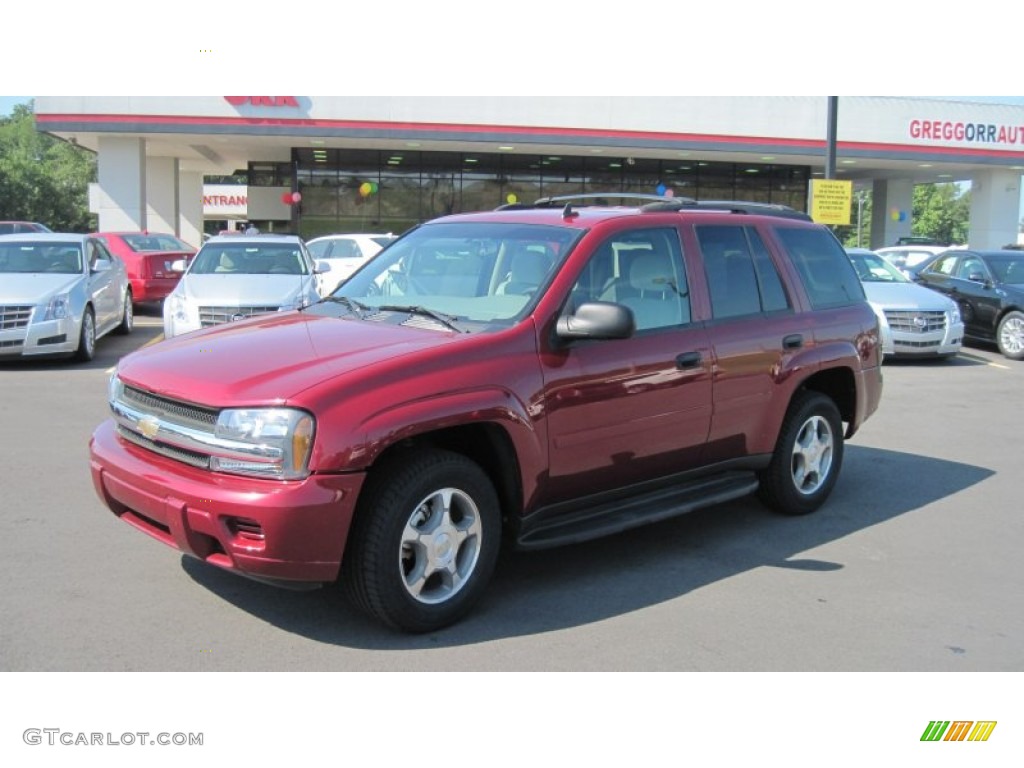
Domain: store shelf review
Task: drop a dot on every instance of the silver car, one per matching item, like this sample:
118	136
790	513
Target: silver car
59	293
915	321
238	276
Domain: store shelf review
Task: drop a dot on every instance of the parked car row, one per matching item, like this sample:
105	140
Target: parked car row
62	292
985	287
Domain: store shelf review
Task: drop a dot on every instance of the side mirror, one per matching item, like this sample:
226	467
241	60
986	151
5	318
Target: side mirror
321	267
100	265
597	320
978	277
179	265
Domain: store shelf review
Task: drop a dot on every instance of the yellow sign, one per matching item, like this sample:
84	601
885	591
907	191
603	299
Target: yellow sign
831	201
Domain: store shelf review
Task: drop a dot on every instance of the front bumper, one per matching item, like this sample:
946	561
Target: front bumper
944	342
49	337
279	531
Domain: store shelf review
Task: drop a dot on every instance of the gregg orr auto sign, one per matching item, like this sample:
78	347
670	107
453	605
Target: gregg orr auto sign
978	133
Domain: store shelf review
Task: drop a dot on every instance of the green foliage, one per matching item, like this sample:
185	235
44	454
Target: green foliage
43	178
941	212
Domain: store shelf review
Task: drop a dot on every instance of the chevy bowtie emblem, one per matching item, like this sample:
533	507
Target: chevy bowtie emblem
149	427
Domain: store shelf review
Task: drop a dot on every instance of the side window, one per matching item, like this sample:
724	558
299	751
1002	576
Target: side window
643	270
971	265
826	272
944	266
742	278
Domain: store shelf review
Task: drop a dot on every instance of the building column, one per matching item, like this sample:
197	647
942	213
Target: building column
995	208
162	194
892	202
190	208
121	202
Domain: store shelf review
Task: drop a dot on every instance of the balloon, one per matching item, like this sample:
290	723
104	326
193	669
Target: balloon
373	187
286	198
670	192
660	189
296	197
365	189
511	198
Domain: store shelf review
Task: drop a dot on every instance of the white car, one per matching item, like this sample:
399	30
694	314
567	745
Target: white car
905	257
915	321
59	293
345	254
232	278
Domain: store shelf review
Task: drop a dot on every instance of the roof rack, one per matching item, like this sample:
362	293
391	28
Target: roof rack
660	204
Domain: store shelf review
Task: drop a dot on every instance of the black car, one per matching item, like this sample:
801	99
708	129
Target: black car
989	287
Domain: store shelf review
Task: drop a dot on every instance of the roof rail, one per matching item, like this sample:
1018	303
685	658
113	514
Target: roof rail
660	204
742	206
598	198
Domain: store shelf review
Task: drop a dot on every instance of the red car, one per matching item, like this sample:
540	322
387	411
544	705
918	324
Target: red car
148	257
534	376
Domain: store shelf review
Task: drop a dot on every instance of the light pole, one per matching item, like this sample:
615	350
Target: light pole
861	196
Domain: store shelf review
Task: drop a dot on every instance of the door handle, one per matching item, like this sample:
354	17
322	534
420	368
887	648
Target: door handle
688	360
793	341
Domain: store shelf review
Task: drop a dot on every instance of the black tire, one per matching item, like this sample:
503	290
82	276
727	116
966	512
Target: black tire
86	337
1010	335
807	456
446	509
127	315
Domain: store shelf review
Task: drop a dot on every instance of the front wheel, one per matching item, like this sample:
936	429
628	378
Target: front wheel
424	542
1010	335
807	456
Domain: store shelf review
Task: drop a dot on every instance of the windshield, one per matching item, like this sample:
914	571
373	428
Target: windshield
872	268
60	258
472	271
249	258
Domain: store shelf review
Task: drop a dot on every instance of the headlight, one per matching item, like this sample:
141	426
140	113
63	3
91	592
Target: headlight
176	307
114	389
57	308
282	439
954	314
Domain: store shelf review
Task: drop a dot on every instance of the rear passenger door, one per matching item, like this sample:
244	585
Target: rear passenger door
752	329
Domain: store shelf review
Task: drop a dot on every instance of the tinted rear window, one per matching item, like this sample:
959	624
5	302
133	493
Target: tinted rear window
827	274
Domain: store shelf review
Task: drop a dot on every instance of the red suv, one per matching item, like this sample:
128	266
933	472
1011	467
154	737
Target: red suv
535	376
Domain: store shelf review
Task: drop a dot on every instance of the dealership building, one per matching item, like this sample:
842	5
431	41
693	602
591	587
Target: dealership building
319	164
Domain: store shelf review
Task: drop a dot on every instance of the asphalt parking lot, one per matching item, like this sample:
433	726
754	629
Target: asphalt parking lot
913	564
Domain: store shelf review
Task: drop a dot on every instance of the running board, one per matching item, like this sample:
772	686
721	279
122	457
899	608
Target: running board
611	517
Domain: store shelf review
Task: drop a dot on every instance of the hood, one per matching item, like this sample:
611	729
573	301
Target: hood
271	358
243	290
906	296
33	287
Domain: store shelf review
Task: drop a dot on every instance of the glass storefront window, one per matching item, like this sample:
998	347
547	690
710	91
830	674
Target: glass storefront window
408	187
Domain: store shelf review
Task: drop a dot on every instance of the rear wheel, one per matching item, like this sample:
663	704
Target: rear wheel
86	337
1010	335
807	456
127	315
424	542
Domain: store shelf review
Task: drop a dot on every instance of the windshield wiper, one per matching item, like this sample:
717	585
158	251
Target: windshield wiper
355	307
446	320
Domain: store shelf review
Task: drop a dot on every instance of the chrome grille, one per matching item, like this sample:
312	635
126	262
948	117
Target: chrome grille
161	406
217	315
178	454
14	316
914	321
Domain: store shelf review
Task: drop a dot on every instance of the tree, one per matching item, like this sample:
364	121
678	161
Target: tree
43	178
942	212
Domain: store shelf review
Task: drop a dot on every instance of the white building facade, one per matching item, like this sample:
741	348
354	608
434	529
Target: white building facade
319	164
